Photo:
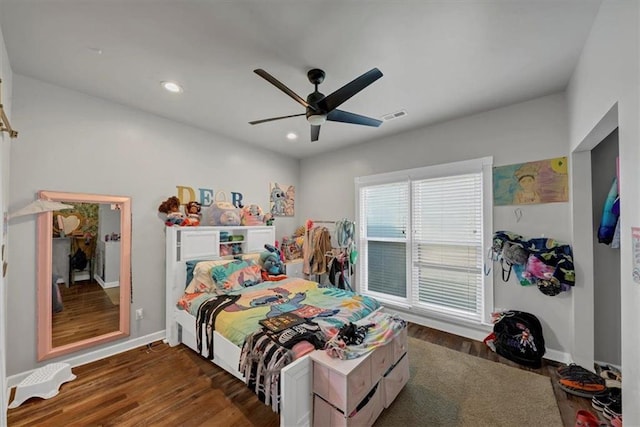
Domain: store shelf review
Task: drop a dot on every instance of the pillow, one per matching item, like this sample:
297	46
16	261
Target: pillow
190	266
199	275
243	278
221	272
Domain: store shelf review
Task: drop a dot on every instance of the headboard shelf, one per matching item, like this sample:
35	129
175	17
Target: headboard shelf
203	243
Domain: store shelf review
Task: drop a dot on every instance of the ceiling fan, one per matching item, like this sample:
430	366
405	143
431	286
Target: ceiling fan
320	108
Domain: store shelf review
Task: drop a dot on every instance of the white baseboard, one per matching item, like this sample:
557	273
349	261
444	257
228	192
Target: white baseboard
558	356
85	358
618	367
478	333
104	284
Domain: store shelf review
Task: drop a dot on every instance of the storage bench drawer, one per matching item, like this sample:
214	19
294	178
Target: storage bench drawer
325	415
343	391
395	380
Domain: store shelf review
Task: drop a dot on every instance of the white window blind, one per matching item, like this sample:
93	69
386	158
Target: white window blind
384	211
421	237
447	245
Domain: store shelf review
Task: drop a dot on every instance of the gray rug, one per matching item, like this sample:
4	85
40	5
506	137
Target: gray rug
449	388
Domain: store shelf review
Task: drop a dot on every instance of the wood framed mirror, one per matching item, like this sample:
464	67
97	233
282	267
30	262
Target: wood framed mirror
84	267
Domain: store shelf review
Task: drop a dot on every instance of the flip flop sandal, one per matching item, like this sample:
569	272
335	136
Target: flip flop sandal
581	375
584	385
577	392
587	419
616	421
571	369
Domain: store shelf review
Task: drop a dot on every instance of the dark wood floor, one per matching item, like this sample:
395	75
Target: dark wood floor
87	312
160	385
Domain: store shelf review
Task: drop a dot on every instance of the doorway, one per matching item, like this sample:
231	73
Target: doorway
606	253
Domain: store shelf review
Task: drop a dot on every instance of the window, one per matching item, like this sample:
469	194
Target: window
421	235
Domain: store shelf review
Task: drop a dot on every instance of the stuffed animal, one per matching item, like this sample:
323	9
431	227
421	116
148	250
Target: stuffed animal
193	214
230	217
252	215
270	260
171	207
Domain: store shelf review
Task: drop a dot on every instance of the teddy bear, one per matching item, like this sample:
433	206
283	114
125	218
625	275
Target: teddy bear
270	260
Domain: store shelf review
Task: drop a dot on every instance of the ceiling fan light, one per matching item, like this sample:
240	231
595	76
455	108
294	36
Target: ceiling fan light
317	119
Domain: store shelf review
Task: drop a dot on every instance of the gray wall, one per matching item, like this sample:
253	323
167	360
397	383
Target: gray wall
73	142
5	146
606	261
533	130
607	75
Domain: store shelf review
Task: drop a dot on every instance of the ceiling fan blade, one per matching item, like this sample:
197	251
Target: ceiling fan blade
336	98
256	122
268	77
356	119
315	133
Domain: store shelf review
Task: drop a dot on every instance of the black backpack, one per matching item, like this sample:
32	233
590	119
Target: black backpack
79	260
518	337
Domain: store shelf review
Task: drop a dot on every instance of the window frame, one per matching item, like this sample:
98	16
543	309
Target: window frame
483	165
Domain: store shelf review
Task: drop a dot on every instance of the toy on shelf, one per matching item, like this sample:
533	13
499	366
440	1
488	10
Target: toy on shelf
193	213
221	212
171	207
174	216
252	215
270	261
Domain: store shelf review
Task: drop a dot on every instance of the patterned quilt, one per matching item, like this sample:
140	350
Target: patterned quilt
325	305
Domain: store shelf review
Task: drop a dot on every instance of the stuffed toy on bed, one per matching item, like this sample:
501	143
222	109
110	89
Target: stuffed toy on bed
270	261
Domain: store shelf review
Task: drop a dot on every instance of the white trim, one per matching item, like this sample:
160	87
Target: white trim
487	239
618	367
431	171
104	284
483	166
478	333
102	353
558	356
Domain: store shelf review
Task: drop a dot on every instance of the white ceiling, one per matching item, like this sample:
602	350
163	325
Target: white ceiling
440	59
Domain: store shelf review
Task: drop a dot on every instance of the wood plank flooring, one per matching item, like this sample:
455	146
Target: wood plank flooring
163	386
87	312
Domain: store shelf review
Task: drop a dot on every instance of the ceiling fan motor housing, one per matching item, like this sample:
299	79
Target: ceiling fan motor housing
313	100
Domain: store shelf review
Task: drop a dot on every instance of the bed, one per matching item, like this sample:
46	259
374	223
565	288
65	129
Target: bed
187	244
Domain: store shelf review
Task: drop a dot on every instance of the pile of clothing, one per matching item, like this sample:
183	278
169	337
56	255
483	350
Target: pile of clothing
543	262
264	354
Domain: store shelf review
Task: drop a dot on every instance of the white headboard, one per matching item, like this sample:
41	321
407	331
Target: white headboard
201	243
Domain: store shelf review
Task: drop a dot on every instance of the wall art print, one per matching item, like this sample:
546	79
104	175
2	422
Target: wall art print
282	199
543	181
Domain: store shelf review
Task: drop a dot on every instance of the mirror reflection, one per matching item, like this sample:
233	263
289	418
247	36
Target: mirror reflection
85	272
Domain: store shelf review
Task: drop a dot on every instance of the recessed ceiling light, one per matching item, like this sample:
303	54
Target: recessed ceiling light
292	136
171	87
95	50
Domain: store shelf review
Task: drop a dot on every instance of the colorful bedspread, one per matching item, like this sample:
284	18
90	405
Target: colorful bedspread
325	305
